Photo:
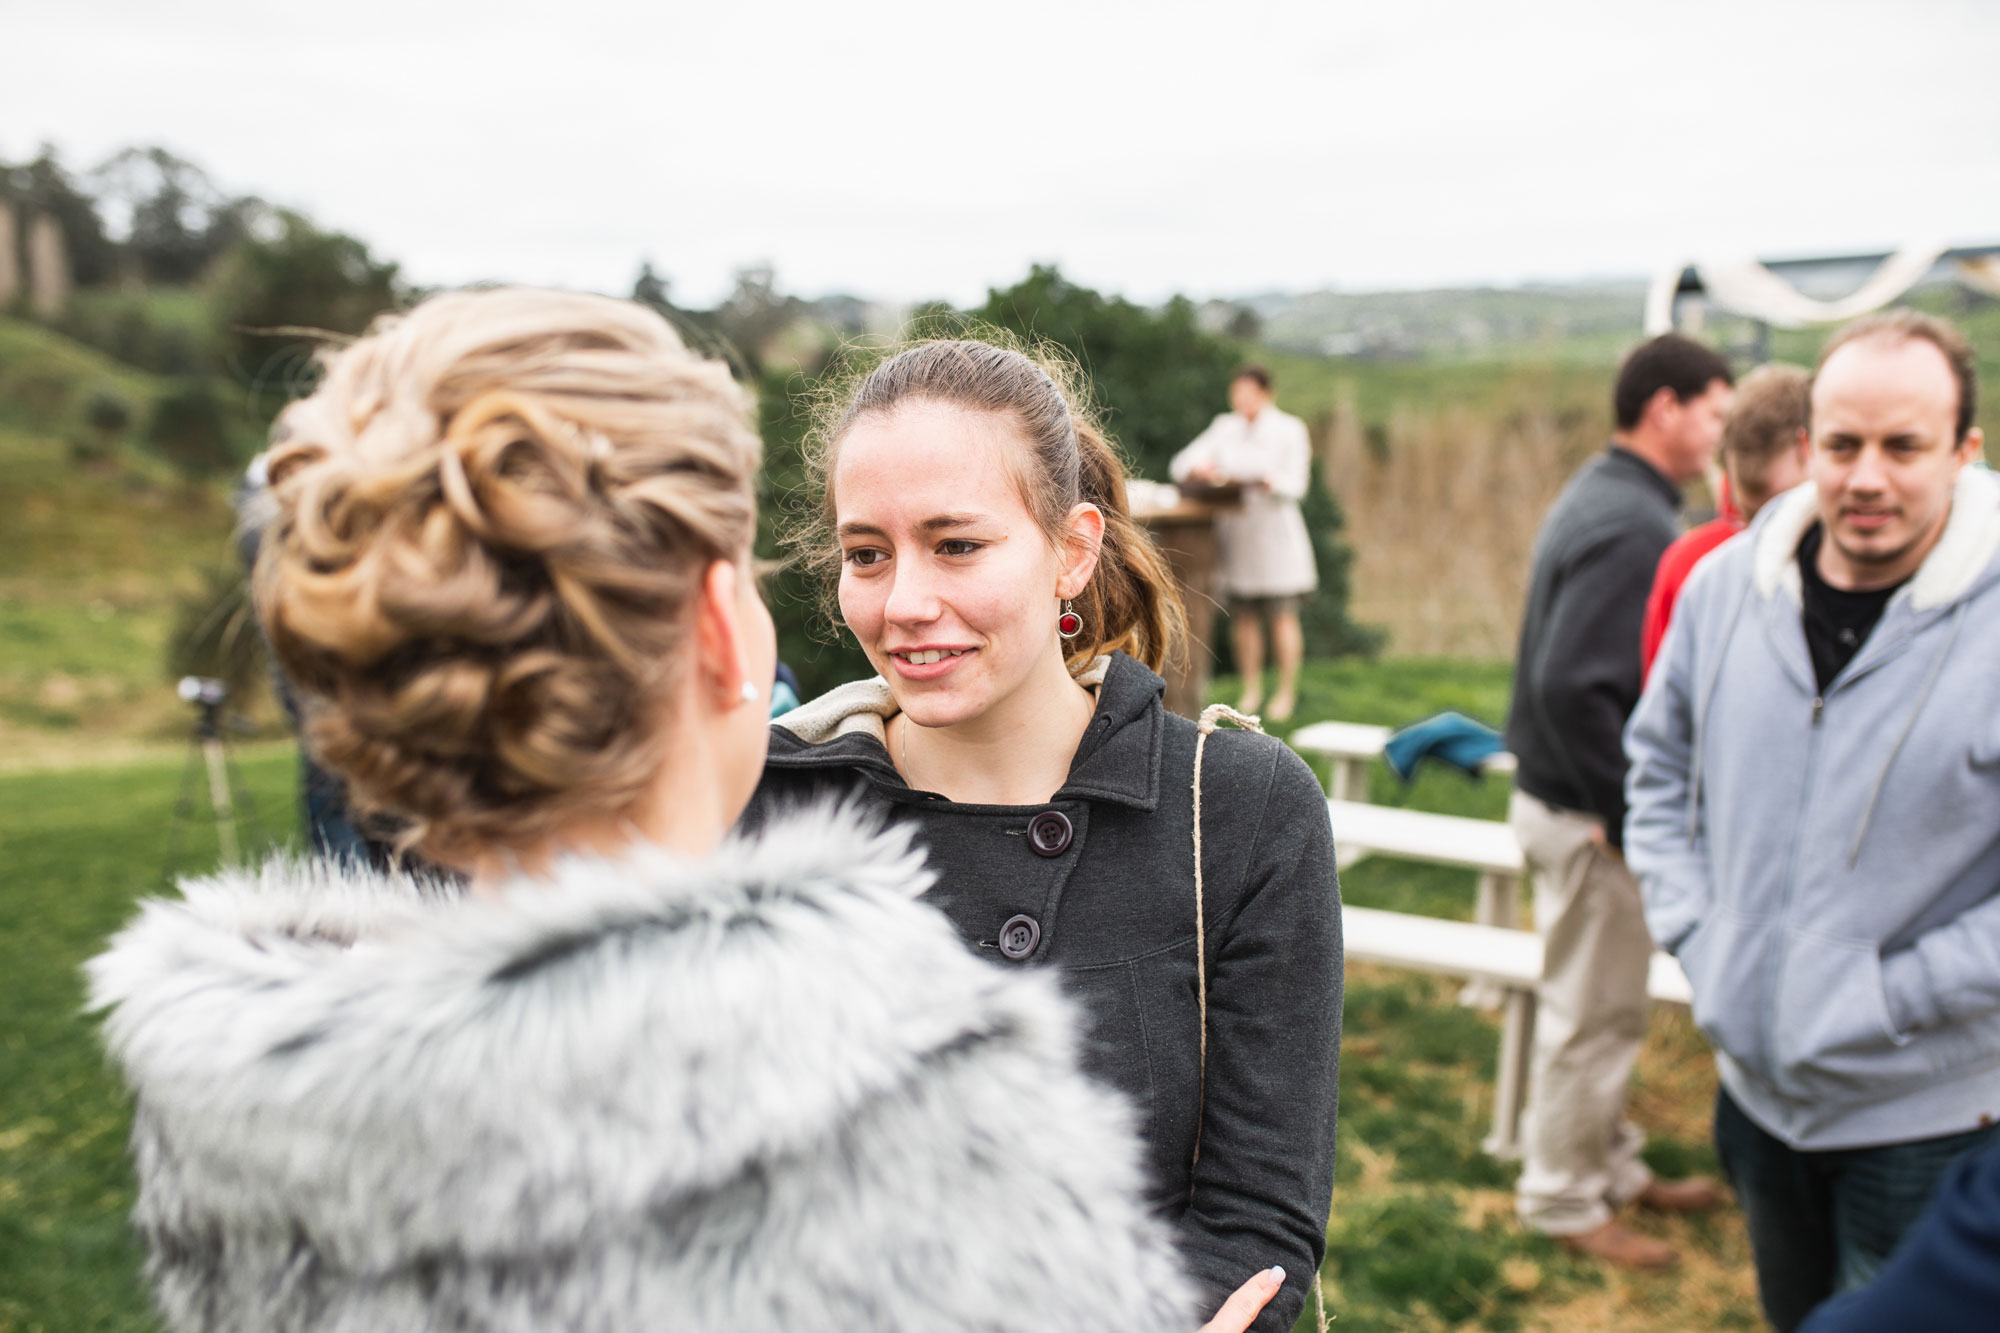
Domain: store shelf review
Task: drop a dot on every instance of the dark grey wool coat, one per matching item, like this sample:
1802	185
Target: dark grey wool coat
1113	911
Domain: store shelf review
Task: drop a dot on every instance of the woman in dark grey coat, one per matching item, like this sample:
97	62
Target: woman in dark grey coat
991	571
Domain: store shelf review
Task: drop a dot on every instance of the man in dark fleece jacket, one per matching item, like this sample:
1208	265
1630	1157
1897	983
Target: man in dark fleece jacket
1575	684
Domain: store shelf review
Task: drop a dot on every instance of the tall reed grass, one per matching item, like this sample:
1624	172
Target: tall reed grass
1443	502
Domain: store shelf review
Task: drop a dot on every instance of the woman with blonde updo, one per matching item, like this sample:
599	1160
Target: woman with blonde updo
1179	883
641	1074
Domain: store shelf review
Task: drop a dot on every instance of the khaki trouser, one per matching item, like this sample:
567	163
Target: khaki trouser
1581	1156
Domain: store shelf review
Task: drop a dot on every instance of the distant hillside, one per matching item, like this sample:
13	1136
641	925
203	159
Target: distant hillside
1584	321
103	544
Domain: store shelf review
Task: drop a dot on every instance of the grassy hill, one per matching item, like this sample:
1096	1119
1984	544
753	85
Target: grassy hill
101	541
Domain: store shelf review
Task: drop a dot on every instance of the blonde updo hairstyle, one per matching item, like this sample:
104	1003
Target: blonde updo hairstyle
494	516
1130	603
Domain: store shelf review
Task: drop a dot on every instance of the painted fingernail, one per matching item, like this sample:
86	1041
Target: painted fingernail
1277	1275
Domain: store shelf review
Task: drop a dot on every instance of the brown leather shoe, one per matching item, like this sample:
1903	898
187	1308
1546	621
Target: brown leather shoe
1696	1194
1620	1245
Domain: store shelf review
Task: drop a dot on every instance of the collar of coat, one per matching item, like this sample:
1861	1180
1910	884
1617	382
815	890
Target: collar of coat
404	1071
1963	552
1118	759
1619	458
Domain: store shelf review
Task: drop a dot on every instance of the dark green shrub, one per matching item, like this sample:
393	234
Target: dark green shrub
190	430
107	412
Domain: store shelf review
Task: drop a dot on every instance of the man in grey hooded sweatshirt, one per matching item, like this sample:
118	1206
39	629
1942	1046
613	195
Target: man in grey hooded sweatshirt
1815	814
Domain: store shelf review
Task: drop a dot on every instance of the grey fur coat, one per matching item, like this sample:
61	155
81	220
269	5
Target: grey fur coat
767	1090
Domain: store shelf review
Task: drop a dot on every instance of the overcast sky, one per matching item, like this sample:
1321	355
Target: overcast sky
917	150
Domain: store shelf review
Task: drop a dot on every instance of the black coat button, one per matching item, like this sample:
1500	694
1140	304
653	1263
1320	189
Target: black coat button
1019	937
1049	833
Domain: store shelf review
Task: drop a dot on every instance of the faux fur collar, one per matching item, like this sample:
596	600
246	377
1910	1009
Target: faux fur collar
1965	550
344	1049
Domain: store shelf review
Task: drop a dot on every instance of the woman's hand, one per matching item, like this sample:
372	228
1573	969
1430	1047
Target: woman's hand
1242	1307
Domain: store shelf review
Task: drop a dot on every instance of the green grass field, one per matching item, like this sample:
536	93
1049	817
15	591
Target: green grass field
1422	1236
79	847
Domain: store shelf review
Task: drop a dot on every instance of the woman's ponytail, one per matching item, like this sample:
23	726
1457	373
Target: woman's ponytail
1131	602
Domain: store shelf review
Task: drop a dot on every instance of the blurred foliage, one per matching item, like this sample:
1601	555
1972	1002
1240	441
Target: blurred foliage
107	412
810	639
168	331
270	292
177	220
1159	376
190	429
179	277
46	186
1329	630
214	634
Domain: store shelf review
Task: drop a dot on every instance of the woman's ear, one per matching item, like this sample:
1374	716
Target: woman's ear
719	635
1083	541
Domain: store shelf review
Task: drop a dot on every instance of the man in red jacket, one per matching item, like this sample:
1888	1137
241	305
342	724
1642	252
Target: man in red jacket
1764	453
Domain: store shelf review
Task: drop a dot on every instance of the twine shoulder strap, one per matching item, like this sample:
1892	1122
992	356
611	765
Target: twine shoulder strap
1211	717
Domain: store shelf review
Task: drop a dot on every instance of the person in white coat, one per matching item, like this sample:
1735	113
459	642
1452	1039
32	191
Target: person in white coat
1265	557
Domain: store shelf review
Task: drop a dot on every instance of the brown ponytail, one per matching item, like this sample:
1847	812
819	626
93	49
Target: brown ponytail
1131	603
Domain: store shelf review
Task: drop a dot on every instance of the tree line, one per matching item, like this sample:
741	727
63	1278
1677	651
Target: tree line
221	292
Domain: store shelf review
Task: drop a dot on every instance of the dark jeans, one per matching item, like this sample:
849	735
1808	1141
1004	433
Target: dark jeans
1823	1222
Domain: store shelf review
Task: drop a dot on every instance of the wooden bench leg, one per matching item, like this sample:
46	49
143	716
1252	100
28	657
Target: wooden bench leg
1349	780
1498	904
1510	1088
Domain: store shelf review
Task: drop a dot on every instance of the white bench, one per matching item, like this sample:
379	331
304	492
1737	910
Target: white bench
1350	746
1510	960
1361	830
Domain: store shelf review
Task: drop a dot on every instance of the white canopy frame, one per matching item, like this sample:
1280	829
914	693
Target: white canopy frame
1766	290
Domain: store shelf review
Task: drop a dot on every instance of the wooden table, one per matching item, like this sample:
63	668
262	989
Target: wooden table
1185	534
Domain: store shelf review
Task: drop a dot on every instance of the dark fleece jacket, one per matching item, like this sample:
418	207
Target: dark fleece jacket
1115	912
1577	678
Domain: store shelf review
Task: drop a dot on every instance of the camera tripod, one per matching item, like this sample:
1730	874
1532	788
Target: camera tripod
209	758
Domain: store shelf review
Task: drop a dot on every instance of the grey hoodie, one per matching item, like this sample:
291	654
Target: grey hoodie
1827	868
766	1090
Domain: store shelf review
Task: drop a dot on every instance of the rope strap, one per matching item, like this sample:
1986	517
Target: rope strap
1211	717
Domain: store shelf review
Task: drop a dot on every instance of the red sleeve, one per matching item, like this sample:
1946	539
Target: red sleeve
1676	563
1659	609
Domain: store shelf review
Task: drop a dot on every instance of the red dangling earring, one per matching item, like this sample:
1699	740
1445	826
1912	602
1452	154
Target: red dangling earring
1069	624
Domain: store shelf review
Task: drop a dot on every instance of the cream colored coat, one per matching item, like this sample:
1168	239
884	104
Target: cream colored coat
1264	548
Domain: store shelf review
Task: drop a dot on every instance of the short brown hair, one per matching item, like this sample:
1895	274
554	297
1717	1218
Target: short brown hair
1903	325
493	518
1769	412
1131	602
1669	361
1256	374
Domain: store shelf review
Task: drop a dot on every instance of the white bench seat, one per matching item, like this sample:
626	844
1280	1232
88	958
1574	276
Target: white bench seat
1451	840
1508	959
1361	830
1513	958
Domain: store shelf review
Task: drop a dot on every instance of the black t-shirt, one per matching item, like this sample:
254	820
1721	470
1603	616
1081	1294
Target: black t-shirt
1837	622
